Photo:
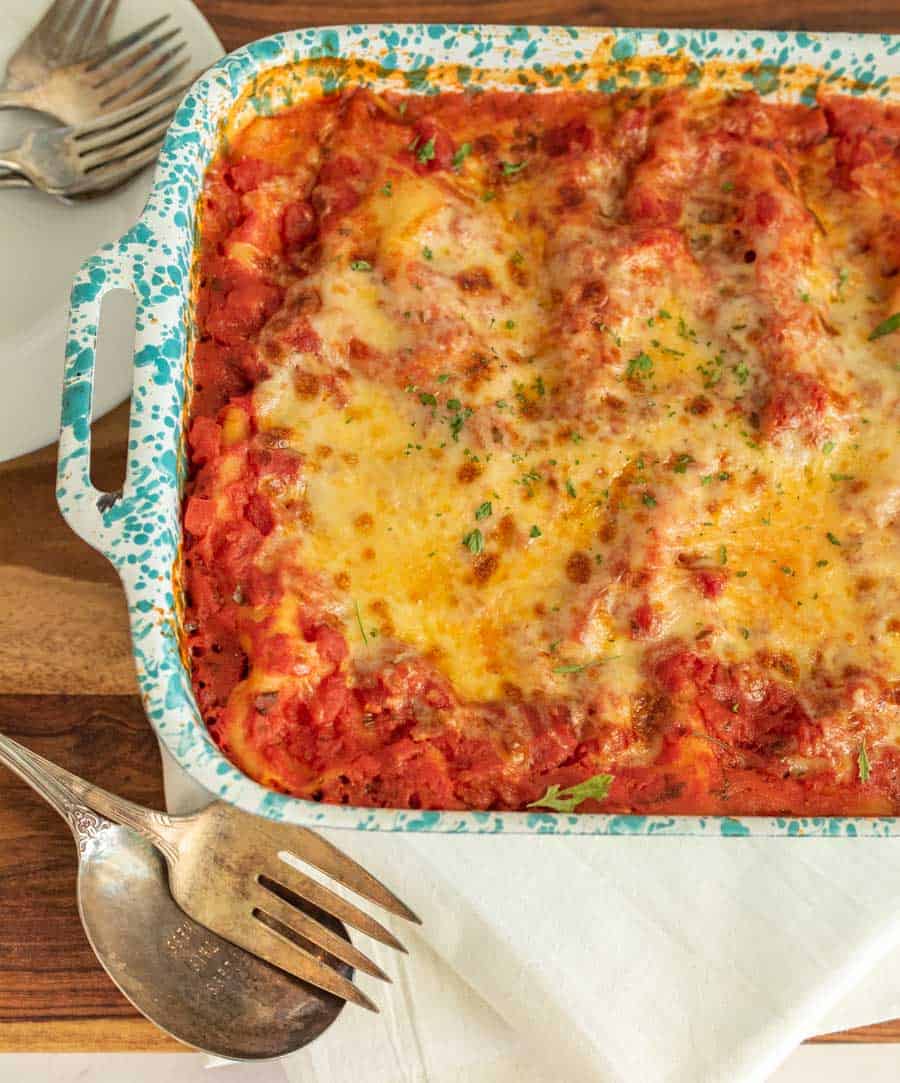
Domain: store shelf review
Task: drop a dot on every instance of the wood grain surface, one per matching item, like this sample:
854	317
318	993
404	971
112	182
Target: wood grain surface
67	686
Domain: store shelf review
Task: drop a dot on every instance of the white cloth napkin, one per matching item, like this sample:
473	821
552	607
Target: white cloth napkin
612	960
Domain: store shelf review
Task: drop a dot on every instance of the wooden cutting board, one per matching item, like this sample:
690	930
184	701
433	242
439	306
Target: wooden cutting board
67	686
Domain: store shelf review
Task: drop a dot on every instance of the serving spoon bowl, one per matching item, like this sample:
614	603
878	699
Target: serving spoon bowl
192	984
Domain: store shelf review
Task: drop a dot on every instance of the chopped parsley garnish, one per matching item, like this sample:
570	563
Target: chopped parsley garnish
786	569
509	325
648	500
712	372
842	477
483	510
887	327
570	488
427	253
723	555
511	168
454	404
640	366
834	540
427	399
362	630
461	154
474	541
821	563
486	197
458	420
741	575
828	447
741	372
685	331
388	189
569	798
862	762
728	186
535	532
578	667
426	152
745	632
517	257
444	377
360	265
682	463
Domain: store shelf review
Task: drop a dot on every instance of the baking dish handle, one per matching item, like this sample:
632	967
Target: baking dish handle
92	514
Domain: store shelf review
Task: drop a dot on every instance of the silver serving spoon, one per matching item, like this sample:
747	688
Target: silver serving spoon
191	983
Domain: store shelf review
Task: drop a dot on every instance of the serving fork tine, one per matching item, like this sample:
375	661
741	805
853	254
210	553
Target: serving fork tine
103	78
226	872
96	155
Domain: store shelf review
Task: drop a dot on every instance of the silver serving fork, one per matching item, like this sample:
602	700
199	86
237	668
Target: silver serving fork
65	67
97	155
226	873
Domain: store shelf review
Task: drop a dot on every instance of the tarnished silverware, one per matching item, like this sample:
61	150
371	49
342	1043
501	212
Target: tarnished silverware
103	79
95	156
226	872
191	983
69	31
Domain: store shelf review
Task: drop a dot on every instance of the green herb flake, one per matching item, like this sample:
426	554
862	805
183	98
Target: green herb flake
728	186
833	539
509	325
483	511
517	258
360	265
682	463
569	798
828	447
444	377
887	327
461	154
474	541
723	555
486	197
821	563
362	630
640	366
570	488
745	632
741	372
425	153
648	500
535	532
741	575
427	399
786	569
842	477
862	762
427	253
509	169
388	189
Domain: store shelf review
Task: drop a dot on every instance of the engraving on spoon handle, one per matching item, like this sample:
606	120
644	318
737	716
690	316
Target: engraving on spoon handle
49	778
84	824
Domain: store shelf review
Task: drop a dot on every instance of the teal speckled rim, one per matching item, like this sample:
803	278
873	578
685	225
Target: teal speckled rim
139	531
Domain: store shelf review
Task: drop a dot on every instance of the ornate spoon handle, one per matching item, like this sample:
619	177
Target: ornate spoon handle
69	795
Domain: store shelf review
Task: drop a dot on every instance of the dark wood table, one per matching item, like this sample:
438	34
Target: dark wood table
67	686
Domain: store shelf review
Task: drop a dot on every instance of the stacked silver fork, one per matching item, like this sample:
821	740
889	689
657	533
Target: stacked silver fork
116	99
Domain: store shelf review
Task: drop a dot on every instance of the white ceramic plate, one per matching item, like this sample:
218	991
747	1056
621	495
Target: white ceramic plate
44	243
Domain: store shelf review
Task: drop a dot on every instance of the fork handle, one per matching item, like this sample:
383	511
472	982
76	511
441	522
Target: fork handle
63	791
